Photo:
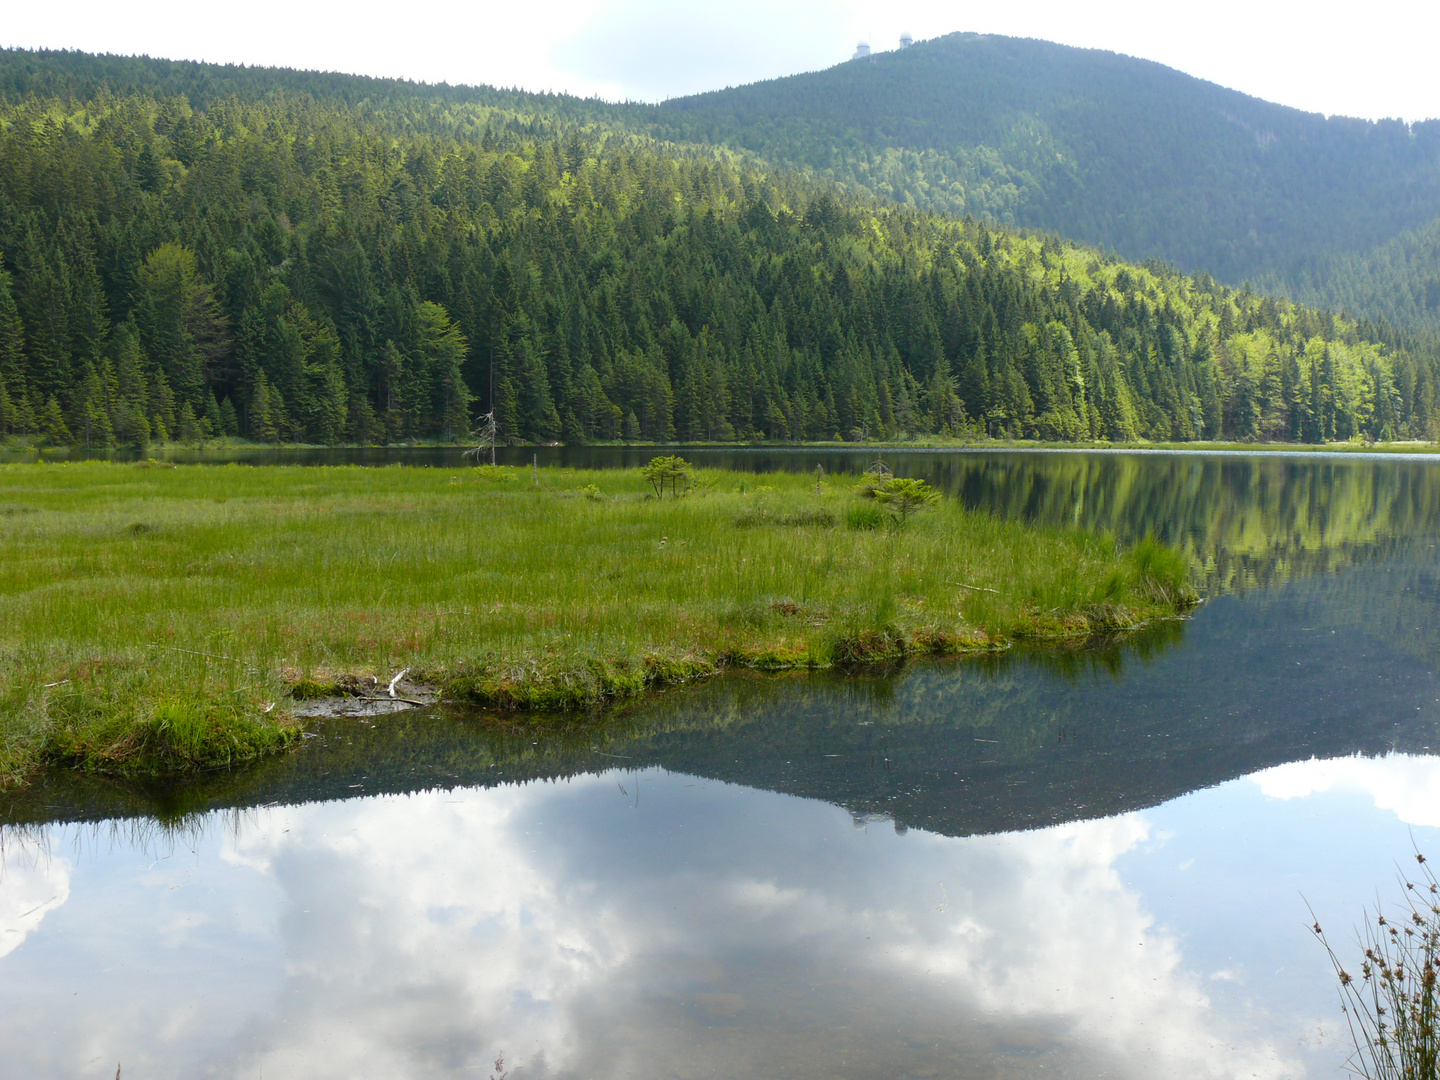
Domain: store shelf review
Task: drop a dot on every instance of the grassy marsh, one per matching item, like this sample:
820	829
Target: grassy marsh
159	617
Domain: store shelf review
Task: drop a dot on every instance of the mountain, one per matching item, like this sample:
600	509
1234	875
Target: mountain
1398	281
1112	151
189	249
1115	152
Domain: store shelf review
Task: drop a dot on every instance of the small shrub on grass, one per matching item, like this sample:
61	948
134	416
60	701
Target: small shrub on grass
904	498
669	472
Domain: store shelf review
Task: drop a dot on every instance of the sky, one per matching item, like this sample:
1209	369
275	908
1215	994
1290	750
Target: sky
1323	56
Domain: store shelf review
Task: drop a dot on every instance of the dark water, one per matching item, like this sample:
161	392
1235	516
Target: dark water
1076	865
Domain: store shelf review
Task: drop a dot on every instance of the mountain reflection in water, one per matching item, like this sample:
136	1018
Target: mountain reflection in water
1039	864
655	924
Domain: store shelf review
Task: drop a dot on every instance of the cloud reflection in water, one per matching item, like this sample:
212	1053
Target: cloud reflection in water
1407	784
707	930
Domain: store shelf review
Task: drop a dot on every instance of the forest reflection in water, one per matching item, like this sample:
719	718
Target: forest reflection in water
1037	864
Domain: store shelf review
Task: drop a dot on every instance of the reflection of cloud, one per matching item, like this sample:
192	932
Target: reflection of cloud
31	886
441	930
1405	783
710	930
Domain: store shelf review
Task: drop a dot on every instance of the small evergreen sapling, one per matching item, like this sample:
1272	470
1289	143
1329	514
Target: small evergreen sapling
669	471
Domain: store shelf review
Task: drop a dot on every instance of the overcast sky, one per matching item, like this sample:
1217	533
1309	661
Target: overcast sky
1372	60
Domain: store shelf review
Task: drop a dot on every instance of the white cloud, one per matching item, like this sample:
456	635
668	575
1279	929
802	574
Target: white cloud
418	936
32	885
1406	784
1330	60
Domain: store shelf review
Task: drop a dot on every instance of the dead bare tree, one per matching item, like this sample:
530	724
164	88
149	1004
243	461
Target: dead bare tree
485	436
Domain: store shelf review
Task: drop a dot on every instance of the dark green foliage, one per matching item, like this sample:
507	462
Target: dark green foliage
1108	149
1399	281
190	251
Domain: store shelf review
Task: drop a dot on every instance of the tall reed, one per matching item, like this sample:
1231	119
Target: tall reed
1393	1008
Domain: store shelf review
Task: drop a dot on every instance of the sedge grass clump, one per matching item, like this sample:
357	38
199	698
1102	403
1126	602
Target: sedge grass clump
1391	999
1161	573
249	584
104	728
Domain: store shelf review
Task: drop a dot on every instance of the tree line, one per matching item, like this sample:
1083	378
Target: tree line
279	266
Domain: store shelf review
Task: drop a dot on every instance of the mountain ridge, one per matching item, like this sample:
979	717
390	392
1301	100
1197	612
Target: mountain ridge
1094	147
1116	152
224	250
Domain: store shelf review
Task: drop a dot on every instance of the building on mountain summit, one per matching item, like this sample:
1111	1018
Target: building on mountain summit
862	51
906	41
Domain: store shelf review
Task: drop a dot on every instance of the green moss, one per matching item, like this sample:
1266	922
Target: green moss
308	689
102	733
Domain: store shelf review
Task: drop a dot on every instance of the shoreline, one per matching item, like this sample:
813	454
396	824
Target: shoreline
162	619
239	452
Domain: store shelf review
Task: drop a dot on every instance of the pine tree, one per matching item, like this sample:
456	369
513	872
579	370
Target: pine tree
181	326
213	421
229	421
9	415
264	426
12	336
52	424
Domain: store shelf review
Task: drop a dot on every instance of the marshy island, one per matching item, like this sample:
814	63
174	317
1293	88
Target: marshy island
162	618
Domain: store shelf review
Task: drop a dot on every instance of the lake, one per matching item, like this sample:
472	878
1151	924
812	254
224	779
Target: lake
1047	864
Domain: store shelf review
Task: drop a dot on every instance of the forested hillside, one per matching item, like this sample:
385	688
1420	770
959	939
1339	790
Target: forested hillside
367	267
1106	149
1399	281
1112	151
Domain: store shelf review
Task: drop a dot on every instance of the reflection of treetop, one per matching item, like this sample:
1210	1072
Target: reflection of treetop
1247	521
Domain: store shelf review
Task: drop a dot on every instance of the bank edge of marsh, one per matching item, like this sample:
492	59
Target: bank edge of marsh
108	700
216	450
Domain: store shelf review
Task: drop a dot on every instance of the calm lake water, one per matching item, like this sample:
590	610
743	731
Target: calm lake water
1047	865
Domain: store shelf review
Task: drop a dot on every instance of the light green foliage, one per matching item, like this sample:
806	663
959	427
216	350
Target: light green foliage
153	615
668	472
903	497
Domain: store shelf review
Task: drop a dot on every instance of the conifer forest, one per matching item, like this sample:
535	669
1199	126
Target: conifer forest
336	260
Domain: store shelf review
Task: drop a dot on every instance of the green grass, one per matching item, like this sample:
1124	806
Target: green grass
159	618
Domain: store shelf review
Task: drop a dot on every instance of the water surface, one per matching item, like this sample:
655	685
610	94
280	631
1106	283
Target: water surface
1079	865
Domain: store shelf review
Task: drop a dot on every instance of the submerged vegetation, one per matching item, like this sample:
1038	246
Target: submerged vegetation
161	617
